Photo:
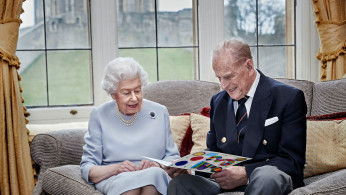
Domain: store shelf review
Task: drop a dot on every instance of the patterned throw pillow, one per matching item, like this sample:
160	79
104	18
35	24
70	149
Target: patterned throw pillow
181	130
200	127
326	144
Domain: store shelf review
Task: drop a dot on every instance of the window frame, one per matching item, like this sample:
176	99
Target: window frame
45	50
104	49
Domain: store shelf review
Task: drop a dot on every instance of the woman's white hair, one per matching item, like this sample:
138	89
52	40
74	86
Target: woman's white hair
121	69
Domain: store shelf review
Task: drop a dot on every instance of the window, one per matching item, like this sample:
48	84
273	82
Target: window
162	35
54	48
201	25
269	28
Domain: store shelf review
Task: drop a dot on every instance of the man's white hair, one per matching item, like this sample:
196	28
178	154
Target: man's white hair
234	50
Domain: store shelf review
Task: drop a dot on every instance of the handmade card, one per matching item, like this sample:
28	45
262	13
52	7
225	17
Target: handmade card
205	161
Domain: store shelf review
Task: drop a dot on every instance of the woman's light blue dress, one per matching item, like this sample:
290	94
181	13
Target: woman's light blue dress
109	141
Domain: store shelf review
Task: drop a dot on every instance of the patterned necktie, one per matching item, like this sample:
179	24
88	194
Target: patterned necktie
241	119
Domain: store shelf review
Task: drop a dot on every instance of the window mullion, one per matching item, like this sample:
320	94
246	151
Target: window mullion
156	44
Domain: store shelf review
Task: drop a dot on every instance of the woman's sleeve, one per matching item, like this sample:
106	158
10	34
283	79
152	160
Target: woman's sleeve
92	150
172	151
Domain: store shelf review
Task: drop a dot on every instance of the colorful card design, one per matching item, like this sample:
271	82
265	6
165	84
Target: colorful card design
205	161
208	161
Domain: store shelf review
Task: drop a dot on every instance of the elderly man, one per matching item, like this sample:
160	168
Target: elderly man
256	117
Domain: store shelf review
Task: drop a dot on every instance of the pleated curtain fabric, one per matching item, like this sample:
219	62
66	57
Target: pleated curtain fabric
331	27
16	173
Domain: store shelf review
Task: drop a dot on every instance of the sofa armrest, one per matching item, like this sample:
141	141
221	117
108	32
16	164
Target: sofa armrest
57	148
332	183
66	180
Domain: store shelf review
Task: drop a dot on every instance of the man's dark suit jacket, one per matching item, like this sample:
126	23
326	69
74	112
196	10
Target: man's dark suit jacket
281	144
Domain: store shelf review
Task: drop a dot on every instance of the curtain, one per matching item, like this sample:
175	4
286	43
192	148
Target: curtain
331	26
16	173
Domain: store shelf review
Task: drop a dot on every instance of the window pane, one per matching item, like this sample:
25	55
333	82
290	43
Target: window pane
176	28
55	77
67	24
272	61
136	23
145	57
177	63
33	73
240	20
69	77
271	22
175	23
31	31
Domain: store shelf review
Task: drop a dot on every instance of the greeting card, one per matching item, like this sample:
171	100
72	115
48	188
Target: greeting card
205	161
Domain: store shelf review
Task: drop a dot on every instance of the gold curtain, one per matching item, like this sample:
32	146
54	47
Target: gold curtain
16	173
331	26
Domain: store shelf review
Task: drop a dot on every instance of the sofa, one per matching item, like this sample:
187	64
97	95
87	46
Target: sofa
57	154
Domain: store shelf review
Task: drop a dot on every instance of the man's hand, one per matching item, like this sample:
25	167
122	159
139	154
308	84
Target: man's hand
231	177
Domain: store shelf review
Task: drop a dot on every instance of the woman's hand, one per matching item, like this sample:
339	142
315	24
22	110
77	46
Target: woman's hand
144	164
126	166
99	173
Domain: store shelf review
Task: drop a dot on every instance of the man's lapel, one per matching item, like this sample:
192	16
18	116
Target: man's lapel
259	111
231	132
227	112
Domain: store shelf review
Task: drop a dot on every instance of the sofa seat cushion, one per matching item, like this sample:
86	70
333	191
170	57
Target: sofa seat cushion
66	180
312	179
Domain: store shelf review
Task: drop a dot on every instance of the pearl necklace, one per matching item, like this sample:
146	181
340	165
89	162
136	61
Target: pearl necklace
127	122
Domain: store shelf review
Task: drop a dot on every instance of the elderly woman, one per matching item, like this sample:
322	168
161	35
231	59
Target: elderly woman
122	131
